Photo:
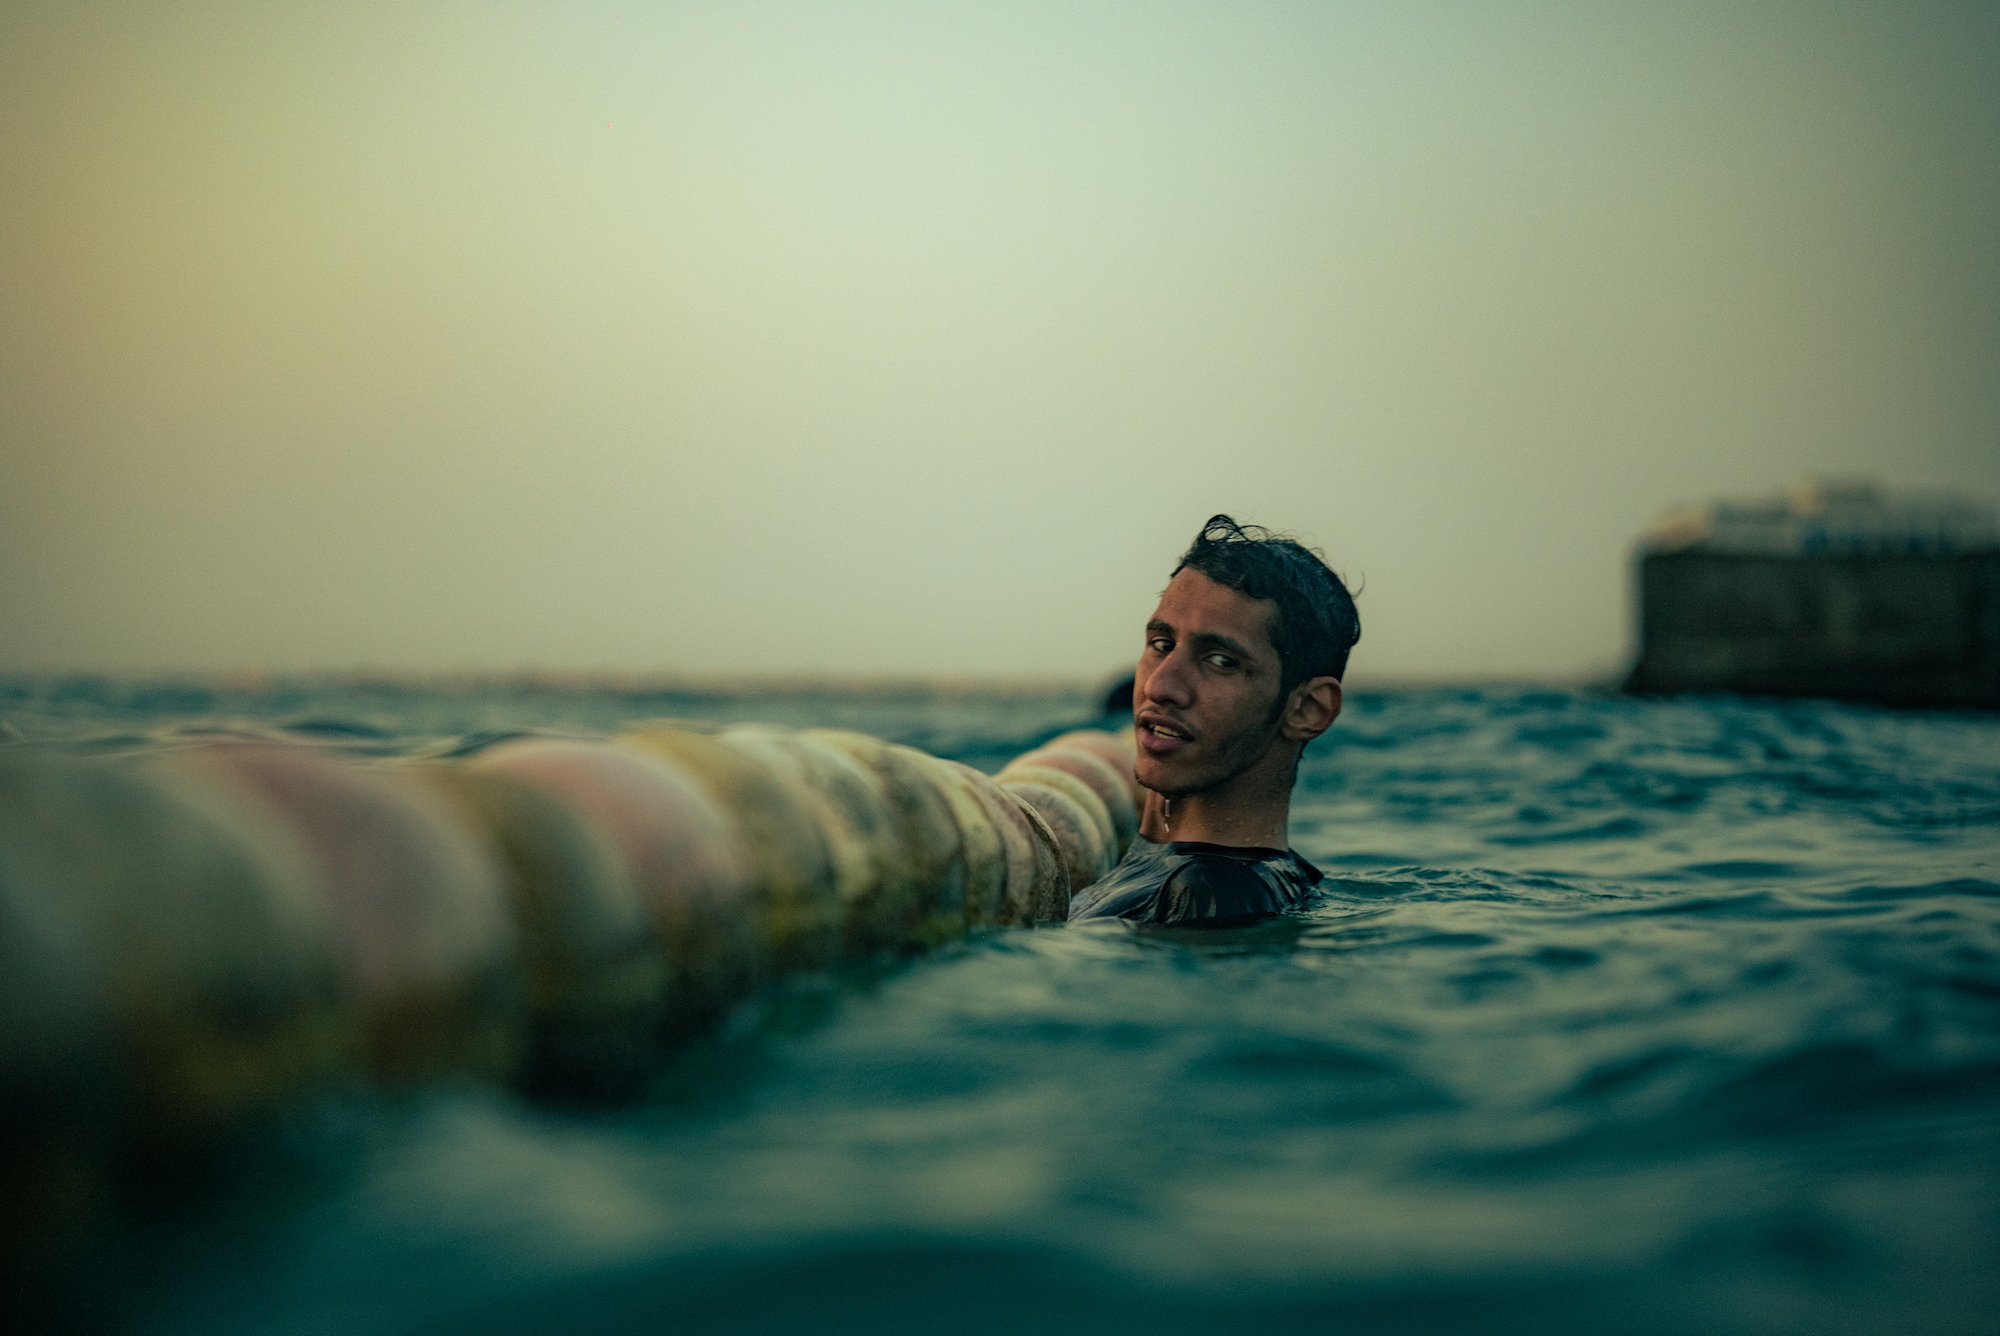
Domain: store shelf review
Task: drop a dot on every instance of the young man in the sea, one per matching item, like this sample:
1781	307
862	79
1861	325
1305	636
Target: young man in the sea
1241	670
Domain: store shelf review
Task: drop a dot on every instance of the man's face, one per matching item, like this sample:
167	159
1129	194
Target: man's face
1205	688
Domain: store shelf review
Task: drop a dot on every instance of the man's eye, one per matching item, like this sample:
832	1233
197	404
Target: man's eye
1220	661
1160	645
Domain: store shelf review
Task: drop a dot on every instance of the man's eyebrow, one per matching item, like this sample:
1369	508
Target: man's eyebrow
1158	627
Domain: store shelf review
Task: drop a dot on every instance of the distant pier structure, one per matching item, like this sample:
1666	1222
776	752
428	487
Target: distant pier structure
1838	589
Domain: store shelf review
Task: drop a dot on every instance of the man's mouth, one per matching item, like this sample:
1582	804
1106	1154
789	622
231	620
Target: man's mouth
1157	734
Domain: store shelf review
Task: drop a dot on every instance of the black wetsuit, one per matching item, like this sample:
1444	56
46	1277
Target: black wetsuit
1189	884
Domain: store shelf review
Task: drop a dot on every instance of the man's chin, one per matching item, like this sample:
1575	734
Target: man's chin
1169	781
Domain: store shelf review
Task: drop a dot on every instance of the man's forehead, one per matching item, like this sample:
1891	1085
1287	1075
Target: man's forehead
1192	604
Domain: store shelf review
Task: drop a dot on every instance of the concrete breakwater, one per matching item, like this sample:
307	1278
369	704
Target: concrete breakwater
1839	590
1914	629
192	938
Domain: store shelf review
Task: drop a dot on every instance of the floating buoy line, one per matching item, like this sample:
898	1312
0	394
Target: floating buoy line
193	938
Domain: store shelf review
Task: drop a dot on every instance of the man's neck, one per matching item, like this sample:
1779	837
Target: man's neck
1259	819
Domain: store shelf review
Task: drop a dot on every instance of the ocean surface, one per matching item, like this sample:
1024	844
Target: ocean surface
1635	1016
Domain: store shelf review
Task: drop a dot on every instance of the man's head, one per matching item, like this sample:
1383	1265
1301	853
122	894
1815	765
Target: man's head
1242	662
1313	621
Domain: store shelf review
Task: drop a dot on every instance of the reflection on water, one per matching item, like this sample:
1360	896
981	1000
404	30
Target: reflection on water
1649	1016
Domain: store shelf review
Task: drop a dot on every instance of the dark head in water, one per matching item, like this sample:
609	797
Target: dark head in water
1241	669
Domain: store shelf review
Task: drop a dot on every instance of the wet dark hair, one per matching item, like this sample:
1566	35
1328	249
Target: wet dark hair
1314	625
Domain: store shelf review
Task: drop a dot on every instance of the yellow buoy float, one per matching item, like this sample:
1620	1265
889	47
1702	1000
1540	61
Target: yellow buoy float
194	936
1099	776
191	937
795	891
417	898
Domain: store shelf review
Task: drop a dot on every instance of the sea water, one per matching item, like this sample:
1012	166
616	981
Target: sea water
1614	1015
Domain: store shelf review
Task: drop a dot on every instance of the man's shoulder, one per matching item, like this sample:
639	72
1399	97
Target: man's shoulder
1188	882
1137	876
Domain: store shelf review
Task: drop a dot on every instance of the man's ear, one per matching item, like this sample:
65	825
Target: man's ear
1314	705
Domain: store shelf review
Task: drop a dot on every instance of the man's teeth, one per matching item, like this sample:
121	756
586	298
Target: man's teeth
1166	732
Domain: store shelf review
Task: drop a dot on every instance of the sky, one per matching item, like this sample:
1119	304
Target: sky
921	338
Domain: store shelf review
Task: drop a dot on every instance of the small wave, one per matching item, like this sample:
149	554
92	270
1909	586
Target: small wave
1749	904
338	728
1972	886
1745	869
1622	1074
1617	828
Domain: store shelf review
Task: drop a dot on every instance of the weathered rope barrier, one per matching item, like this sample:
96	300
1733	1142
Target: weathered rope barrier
192	938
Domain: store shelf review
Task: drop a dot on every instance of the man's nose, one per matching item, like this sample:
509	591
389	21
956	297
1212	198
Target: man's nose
1172	681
